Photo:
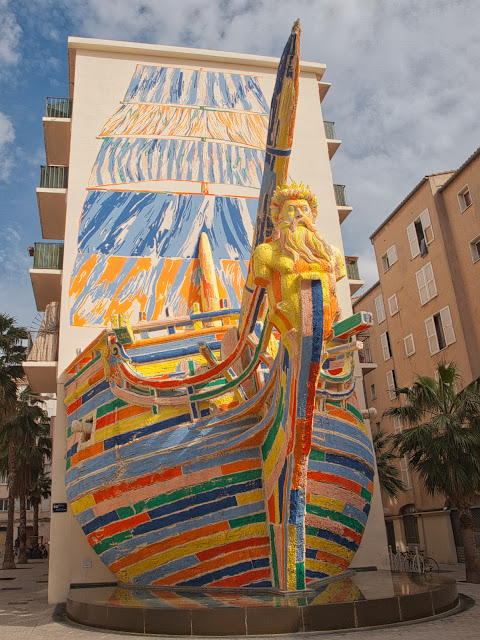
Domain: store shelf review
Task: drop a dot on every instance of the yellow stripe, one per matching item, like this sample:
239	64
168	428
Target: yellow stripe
250	496
135	422
326	545
329	503
207	542
324	567
291	558
78	392
168	366
273	454
83	503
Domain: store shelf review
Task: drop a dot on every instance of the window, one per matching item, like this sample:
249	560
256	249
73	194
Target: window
397	424
3	504
3	479
427	288
420	234
373	392
389	258
393	304
391	384
439	328
385	342
464	198
475	248
409	345
380	309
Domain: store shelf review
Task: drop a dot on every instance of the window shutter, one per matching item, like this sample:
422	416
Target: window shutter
391	385
447	323
385	349
413	241
393	304
397	424
392	255
409	344
422	287
427	226
430	281
431	336
380	309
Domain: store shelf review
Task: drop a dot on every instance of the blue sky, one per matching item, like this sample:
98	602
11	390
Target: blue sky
405	93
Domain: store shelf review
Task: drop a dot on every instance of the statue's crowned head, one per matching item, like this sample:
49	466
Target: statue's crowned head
294	211
287	193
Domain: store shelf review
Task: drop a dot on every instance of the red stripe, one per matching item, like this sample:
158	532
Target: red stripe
329	478
74	406
116	527
144	481
242	579
231	546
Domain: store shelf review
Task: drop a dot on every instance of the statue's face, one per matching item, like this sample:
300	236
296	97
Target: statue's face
293	213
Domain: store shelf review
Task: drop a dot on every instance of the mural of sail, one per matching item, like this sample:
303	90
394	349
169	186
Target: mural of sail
182	155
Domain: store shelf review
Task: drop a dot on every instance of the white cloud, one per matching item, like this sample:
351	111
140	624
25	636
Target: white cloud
10	32
7	136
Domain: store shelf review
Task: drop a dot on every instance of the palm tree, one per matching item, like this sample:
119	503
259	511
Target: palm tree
443	445
388	474
41	489
28	429
12	354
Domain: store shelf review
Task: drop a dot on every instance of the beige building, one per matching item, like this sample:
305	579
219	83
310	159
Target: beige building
426	308
100	71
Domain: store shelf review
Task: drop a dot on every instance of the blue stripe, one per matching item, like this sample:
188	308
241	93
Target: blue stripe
99	522
343	461
338	470
323	534
148	429
233	570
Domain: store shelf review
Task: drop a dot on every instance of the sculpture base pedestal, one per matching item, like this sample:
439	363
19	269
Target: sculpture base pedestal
364	599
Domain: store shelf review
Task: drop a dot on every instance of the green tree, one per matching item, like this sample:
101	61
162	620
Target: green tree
41	489
28	428
443	445
388	473
12	354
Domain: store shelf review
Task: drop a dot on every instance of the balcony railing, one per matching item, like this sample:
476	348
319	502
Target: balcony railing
43	344
53	177
365	354
340	196
58	108
329	130
48	255
352	268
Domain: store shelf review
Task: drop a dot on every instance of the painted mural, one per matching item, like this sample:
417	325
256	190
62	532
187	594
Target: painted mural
180	139
220	445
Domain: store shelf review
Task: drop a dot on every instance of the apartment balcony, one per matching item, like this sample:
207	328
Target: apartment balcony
52	201
46	275
354	280
41	364
332	142
365	355
341	199
56	130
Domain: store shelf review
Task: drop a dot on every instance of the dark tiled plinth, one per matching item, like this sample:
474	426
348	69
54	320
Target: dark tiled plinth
363	600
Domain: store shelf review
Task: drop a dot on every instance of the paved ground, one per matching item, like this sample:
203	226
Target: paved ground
25	614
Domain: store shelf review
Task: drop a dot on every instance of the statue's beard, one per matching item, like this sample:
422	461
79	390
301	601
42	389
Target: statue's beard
303	241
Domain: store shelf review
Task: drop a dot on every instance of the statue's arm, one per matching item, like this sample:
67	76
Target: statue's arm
262	259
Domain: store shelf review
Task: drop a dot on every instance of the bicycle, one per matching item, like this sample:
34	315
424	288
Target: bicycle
418	562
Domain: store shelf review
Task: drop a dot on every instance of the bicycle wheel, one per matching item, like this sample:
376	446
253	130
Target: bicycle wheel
431	565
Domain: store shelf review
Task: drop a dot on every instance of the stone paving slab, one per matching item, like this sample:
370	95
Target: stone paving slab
26	615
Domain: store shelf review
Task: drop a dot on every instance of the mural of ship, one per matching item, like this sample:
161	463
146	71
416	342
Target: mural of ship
200	451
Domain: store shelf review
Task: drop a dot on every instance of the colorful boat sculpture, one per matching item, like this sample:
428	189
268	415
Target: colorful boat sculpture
224	447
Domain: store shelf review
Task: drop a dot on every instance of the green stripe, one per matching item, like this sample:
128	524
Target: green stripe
355	412
349	323
311	531
215	483
276	582
69	462
69	432
300	571
241	378
366	494
336	517
272	434
317	455
125	512
107	543
240	522
87	366
191	368
116	403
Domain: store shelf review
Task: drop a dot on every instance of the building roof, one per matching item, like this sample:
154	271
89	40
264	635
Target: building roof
460	169
412	192
185	53
355	301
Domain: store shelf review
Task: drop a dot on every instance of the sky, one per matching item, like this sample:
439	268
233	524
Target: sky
405	94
